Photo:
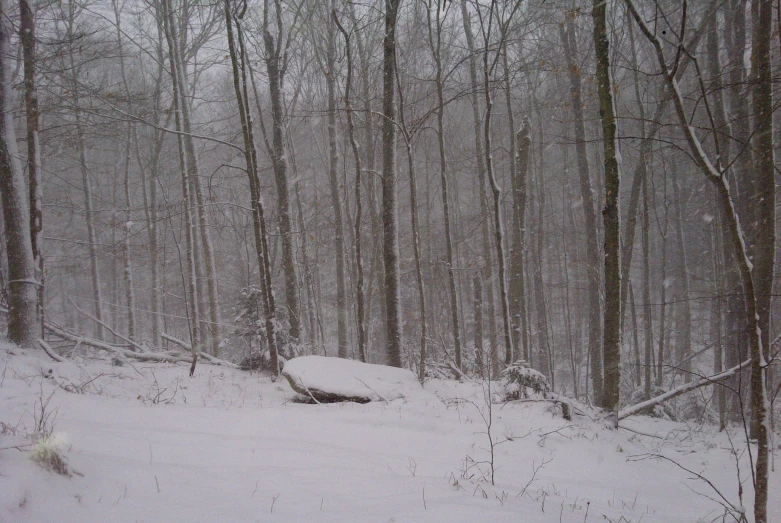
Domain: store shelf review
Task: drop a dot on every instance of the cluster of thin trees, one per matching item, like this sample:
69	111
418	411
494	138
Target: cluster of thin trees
444	185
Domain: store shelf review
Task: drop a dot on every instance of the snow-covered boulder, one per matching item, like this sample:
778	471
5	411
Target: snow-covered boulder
336	379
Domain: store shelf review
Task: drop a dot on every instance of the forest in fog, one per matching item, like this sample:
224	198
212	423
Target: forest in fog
447	186
455	187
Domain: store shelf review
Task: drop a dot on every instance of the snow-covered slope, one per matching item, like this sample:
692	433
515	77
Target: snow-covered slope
150	444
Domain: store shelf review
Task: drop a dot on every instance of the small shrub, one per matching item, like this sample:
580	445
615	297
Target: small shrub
521	381
46	452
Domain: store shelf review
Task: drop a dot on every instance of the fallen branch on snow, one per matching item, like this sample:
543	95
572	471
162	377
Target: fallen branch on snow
208	357
140	356
48	350
683	389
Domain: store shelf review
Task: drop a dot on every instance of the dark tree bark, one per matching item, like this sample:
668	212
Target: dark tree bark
32	114
390	218
612	316
274	57
517	286
23	323
238	63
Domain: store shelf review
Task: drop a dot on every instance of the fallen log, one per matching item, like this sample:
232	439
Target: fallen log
683	389
140	356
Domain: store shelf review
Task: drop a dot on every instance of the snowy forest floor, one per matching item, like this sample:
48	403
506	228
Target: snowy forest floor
148	443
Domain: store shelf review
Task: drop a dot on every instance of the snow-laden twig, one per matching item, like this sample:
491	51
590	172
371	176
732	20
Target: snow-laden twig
48	350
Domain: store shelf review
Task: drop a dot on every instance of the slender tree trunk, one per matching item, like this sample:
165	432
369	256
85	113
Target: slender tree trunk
543	342
190	278
32	114
435	44
612	320
336	201
647	309
684	338
361	314
238	63
130	299
477	284
481	180
764	201
590	218
97	295
130	296
369	157
275	68
205	260
390	219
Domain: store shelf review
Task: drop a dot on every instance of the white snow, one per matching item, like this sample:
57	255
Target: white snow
351	378
147	443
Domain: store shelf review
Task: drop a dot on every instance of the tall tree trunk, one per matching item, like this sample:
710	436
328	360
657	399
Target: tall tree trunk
97	295
477	284
32	114
238	64
130	296
612	318
543	342
360	312
684	337
517	286
648	336
498	225
190	278
569	40
764	200
205	260
23	323
390	219
130	299
371	186
735	325
275	68
481	180
336	201
435	44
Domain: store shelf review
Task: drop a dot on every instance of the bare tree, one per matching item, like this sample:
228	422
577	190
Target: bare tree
759	399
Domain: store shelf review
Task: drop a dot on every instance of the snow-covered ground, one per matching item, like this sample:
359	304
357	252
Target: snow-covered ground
148	443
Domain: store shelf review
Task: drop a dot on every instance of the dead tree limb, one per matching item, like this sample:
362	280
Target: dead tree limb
683	389
48	350
108	328
204	355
